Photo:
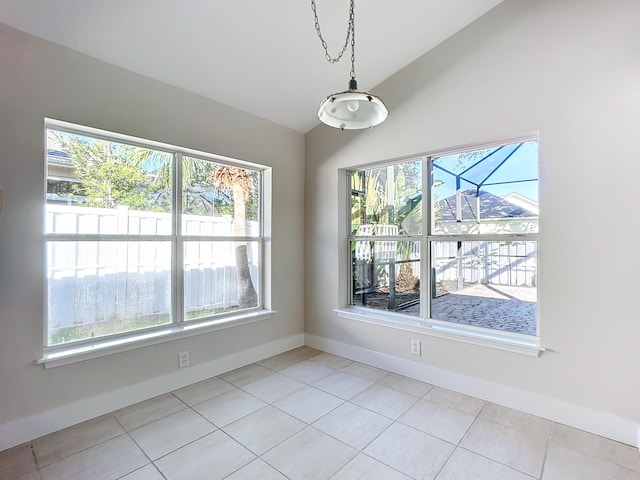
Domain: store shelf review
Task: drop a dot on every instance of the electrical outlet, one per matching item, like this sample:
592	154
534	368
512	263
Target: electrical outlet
415	347
183	359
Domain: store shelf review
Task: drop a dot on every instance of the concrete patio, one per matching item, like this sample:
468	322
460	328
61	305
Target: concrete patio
509	309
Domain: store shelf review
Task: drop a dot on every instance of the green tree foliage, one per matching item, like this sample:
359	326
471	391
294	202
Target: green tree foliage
385	194
466	159
199	195
113	174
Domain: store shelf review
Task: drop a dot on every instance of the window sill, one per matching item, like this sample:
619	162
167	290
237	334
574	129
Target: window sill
510	342
58	356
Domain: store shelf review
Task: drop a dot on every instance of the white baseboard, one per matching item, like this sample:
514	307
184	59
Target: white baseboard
28	428
598	422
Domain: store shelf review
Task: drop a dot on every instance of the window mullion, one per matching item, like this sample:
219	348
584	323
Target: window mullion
347	224
177	293
426	286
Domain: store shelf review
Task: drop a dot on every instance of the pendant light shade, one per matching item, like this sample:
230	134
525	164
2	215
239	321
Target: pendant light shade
352	110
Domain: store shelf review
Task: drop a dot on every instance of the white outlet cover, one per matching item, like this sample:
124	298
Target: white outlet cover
183	359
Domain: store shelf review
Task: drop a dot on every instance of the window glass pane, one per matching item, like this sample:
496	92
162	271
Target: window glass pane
386	275
489	284
98	186
220	277
103	288
490	191
387	200
219	200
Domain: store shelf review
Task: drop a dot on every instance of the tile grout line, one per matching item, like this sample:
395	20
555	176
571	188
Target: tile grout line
458	445
546	450
35	460
40	468
478	417
151	461
461	447
136	443
455	448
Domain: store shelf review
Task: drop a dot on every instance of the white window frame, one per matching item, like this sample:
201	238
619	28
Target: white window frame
487	337
62	354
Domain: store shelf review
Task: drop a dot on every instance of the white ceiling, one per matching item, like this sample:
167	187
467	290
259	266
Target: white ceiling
259	56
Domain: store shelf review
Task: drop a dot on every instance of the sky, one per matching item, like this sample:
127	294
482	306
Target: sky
521	165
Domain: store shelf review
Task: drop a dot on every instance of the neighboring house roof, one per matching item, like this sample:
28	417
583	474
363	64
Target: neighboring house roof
58	157
491	206
523	202
65	199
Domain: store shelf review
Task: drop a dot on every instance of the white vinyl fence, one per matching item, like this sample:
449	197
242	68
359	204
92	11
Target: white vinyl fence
510	263
91	281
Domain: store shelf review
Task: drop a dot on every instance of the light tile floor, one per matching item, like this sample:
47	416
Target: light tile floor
309	415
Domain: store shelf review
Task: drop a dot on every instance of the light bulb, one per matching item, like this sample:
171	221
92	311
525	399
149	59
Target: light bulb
353	106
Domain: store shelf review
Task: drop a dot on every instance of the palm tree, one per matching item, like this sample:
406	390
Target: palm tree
238	181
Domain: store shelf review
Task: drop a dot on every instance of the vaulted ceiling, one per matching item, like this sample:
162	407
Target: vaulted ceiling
262	57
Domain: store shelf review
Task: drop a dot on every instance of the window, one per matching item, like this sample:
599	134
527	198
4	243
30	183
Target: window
142	236
449	239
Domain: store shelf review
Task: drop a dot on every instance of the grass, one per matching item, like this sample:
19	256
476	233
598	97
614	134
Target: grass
208	312
109	327
74	333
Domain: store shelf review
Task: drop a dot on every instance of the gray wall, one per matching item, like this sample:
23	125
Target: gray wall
569	70
41	80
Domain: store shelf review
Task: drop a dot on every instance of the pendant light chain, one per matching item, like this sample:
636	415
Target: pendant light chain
352	20
351	35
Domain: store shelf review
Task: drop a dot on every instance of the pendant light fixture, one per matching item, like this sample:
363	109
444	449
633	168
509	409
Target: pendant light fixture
351	109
